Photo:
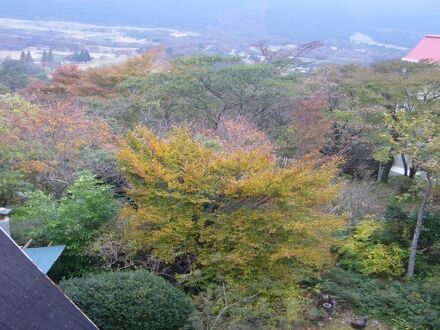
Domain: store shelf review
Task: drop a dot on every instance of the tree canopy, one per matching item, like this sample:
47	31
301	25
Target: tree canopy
261	189
240	216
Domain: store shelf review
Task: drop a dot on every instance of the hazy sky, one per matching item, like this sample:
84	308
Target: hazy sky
203	7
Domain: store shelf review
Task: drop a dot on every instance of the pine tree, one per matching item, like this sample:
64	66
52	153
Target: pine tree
44	58
76	57
50	57
85	56
29	58
23	56
82	56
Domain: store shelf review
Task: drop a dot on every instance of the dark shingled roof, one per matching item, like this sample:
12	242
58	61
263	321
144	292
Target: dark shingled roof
29	299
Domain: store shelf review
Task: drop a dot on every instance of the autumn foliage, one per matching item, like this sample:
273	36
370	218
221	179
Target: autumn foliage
240	216
311	123
96	82
47	142
239	134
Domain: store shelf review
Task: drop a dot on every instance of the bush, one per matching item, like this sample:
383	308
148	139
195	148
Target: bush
405	305
11	183
129	300
76	218
364	252
400	226
225	307
75	221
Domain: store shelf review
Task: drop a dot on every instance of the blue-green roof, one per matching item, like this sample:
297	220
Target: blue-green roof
44	257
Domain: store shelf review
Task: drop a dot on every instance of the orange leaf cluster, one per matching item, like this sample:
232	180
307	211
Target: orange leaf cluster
46	142
70	81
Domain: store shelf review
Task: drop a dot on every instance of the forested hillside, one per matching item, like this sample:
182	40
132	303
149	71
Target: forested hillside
207	192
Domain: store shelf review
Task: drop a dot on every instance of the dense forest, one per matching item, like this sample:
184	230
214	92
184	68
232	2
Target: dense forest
206	192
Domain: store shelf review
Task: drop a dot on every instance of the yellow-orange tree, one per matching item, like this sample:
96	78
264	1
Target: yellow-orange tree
243	219
48	143
101	82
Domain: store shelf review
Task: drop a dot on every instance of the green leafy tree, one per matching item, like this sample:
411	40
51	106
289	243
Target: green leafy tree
74	220
88	205
14	75
12	183
418	134
17	74
363	96
207	88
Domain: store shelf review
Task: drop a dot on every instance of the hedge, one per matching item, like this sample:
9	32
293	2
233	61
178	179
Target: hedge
129	300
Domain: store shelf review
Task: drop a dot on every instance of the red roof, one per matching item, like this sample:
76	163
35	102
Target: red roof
427	49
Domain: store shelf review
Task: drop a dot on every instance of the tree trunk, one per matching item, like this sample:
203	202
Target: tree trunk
412	172
405	164
417	231
384	171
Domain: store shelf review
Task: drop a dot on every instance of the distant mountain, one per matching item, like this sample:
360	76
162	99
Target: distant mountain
401	23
